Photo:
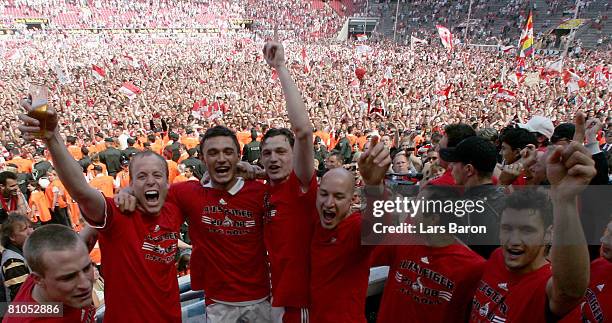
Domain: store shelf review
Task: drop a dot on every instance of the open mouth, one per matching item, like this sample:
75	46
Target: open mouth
152	196
222	170
328	217
514	253
274	168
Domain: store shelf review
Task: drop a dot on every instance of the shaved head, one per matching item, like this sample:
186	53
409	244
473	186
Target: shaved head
334	197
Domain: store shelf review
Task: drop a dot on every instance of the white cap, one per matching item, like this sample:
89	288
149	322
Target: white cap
540	125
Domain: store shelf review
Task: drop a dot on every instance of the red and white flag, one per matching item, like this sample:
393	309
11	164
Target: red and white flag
507	49
362	37
415	41
504	95
130	90
98	72
274	76
573	81
446	37
445	92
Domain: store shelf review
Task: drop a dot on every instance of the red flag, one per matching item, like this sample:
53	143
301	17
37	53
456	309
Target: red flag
445	36
504	95
360	73
445	92
130	90
97	72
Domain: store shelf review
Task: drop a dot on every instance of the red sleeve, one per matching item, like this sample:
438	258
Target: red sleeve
382	255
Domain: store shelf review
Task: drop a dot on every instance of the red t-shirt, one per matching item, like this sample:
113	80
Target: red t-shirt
503	296
288	227
427	284
138	265
445	180
70	315
340	267
597	303
228	260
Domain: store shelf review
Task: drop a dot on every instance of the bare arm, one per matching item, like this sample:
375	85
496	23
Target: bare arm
69	171
569	170
303	158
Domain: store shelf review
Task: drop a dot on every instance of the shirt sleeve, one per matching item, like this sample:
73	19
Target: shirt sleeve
108	215
15	273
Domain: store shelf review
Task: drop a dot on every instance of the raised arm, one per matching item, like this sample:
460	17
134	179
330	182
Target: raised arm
303	151
69	171
569	170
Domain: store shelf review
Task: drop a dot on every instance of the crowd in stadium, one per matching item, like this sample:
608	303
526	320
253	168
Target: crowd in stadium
277	158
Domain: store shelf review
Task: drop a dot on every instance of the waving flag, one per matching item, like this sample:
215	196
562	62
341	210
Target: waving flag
526	41
130	90
362	37
97	72
504	95
446	37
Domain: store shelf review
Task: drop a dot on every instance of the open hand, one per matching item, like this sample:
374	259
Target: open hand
374	163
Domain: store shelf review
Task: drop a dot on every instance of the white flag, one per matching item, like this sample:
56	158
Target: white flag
446	37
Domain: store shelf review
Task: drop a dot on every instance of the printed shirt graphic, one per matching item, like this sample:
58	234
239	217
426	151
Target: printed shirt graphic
288	227
428	284
143	247
503	296
597	303
226	229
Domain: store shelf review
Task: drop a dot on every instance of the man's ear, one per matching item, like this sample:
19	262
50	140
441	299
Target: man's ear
548	234
38	279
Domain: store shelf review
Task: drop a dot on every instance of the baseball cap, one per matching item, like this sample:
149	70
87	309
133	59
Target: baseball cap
564	130
478	151
539	124
125	162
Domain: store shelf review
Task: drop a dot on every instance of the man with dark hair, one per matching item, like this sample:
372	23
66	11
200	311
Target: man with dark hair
61	272
251	151
472	162
519	284
453	134
73	149
288	161
142	245
130	151
86	160
196	163
226	230
513	141
15	230
333	160
12	199
343	146
111	157
172	150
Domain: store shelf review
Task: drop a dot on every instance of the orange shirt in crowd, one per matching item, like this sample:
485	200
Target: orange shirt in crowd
124	178
39	206
157	146
244	137
180	178
100	147
23	165
324	136
104	184
75	151
184	156
190	142
92	149
352	140
74	212
90	168
172	170
361	141
61	198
